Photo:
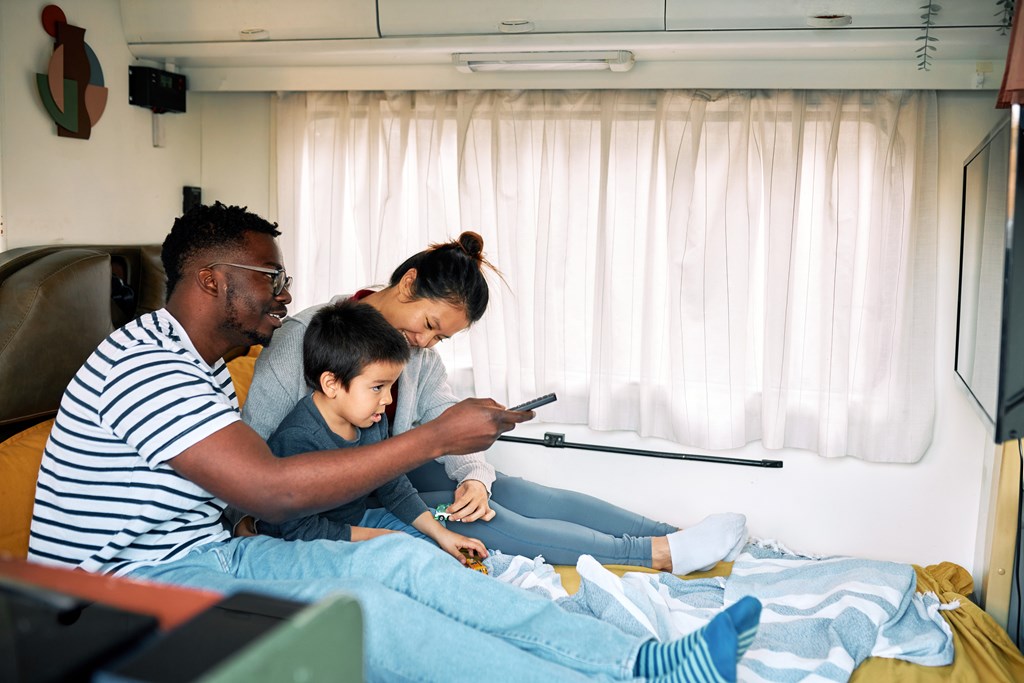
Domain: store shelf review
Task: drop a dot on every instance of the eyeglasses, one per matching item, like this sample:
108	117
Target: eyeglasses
279	279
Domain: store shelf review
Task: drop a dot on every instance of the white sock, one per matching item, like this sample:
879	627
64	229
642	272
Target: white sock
732	554
704	545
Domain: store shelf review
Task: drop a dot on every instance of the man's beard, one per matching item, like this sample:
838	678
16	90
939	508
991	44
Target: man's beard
235	325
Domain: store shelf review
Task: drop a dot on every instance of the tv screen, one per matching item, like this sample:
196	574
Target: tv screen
990	318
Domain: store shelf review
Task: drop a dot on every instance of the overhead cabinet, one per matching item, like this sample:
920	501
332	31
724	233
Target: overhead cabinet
266	45
701	15
481	17
208	21
202	21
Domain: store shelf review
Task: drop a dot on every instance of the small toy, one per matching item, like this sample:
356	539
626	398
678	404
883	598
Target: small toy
440	513
473	563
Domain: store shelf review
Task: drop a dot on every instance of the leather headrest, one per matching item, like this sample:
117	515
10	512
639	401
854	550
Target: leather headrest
56	310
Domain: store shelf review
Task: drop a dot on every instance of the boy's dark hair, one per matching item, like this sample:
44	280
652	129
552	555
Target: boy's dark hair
206	229
344	338
451	272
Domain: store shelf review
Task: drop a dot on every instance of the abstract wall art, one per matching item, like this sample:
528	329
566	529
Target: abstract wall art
72	88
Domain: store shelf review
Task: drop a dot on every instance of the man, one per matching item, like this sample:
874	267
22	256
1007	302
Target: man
148	447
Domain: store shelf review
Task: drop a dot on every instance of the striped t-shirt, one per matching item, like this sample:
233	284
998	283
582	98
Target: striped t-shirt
106	499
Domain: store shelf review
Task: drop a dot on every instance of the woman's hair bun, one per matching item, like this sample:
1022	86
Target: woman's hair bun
472	243
451	271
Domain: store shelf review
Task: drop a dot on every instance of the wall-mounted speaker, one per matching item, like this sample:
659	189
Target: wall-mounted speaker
161	91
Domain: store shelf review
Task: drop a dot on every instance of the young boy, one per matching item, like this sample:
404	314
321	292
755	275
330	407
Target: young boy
351	357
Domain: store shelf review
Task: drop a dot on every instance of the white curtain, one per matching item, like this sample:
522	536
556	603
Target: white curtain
712	268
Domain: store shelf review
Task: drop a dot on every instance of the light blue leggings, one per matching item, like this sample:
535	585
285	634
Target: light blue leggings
425	616
536	520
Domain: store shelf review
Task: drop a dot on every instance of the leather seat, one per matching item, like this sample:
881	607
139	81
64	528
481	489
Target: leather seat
55	308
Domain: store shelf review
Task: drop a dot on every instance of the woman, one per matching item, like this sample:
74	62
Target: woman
431	296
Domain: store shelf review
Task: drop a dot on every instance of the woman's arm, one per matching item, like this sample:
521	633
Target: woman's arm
277	380
423	395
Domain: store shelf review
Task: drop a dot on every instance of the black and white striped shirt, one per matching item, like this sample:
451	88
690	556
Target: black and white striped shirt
106	499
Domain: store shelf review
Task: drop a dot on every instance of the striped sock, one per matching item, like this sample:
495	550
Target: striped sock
701	666
708	654
745	615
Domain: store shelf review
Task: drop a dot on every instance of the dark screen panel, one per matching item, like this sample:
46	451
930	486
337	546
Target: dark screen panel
982	251
990	308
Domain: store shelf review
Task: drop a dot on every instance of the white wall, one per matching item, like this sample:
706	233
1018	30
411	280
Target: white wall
236	149
114	187
117	187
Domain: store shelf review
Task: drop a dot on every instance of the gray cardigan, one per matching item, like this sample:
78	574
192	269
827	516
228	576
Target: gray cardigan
423	393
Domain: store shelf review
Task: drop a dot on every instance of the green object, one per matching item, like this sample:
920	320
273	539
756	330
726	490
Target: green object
323	642
440	514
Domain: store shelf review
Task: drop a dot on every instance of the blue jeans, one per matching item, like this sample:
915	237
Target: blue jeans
535	520
425	616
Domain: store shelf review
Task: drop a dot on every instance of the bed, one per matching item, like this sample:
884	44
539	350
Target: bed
57	302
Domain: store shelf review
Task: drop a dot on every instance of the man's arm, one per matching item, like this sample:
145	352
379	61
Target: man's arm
236	465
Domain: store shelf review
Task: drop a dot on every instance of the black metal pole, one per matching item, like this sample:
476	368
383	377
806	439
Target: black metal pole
553	440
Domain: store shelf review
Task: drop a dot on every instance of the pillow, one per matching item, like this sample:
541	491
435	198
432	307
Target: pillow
241	369
20	456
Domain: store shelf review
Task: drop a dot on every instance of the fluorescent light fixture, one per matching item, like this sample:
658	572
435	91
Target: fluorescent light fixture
595	60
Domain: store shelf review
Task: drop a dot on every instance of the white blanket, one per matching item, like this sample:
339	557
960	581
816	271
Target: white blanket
821	616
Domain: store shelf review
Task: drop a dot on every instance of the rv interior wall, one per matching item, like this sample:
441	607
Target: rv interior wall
117	187
113	187
236	149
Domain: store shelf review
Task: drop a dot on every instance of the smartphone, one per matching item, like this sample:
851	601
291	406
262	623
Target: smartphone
535	403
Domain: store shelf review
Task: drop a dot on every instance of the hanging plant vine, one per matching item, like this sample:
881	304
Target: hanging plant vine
1005	15
924	56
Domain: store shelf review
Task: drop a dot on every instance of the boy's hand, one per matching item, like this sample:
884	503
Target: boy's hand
362	533
244	527
472	425
451	543
471	503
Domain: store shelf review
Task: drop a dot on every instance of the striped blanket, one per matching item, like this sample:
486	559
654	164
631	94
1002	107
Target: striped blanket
821	617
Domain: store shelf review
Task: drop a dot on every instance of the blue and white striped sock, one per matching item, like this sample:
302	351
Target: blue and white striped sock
745	615
708	654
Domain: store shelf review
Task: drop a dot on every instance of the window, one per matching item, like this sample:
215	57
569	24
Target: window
711	268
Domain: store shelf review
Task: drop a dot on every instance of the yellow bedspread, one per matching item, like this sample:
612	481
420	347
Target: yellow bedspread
983	651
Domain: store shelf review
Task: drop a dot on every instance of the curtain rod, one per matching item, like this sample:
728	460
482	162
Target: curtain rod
555	440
